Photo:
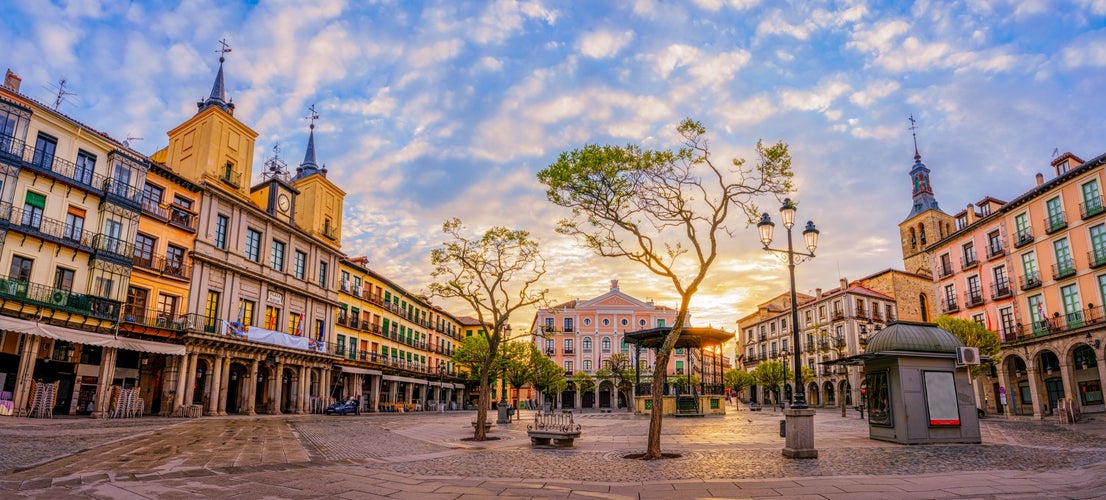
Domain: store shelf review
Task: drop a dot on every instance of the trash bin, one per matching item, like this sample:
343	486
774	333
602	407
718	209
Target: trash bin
783	428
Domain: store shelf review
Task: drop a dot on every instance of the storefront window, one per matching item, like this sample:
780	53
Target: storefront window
1091	392
879	399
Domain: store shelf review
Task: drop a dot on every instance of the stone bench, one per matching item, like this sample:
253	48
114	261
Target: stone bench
556	427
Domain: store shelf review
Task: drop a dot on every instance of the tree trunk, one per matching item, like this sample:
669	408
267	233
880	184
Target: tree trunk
653	450
480	433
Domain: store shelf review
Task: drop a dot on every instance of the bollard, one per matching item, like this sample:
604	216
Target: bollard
783	428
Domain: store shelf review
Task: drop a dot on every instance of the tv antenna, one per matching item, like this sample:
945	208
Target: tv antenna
127	141
60	93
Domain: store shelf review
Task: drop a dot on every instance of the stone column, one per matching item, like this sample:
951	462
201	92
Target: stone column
375	383
1007	409
25	374
190	379
1034	391
224	386
214	382
278	387
251	389
103	382
327	391
301	387
1066	369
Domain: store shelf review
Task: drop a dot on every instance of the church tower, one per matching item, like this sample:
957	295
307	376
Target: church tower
213	145
926	224
319	204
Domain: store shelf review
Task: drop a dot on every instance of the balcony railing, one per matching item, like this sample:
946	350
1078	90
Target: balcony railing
1097	257
234	179
949	305
968	262
995	251
181	218
973	298
944	270
171	267
1023	238
1000	290
1060	323
153	318
54	230
569	351
51	165
59	299
1063	270
1055	222
1031	280
1091	208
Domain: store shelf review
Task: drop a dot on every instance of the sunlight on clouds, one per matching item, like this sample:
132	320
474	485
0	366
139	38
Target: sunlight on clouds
818	99
775	24
717	71
873	92
504	18
1085	51
674	56
435	53
488	63
603	44
877	38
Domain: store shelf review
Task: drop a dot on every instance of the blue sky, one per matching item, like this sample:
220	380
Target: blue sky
435	109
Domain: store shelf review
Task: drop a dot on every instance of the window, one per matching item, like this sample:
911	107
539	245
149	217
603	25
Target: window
276	256
641	322
33	205
83	168
587	321
550	344
660	323
568	366
295	325
585	344
1002	283
174	260
1029	268
969	254
44	151
979	318
606	322
323	271
1021	223
182	202
1073	310
21	268
135	309
63	279
605	344
246	310
1006	322
679	367
587	365
221	223
1098	244
211	311
1092	199
144	250
1064	264
121	183
975	295
74	224
950	297
994	244
568	344
1037	313
568	325
253	245
113	230
946	265
625	322
166	309
299	265
1055	214
272	318
151	198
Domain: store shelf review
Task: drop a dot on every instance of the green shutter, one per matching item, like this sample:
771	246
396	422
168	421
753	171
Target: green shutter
36	200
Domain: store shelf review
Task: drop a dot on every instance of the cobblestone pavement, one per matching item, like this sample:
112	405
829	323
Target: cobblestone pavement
25	441
427	456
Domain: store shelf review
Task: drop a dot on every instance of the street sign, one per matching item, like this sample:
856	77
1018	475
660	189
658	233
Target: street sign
1002	399
1001	390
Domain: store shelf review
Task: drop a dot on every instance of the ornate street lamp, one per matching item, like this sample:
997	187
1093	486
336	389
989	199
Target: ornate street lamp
800	421
810	237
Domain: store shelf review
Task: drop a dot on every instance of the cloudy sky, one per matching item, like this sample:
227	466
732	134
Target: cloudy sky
435	109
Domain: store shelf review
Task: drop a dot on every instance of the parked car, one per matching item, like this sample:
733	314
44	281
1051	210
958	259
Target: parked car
349	407
980	413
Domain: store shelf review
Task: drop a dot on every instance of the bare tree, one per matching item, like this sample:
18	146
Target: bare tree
665	210
496	274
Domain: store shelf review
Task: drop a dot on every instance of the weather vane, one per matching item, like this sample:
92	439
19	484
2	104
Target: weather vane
224	50
312	117
913	131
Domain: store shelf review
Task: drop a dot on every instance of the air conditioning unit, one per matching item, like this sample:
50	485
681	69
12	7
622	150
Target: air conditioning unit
967	356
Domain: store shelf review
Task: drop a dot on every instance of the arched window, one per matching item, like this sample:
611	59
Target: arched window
922	303
606	343
913	239
922	231
585	344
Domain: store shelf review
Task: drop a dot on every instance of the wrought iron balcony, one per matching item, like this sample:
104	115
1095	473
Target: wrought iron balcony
1063	270
949	305
944	270
50	165
1091	208
1030	280
1000	290
171	267
1055	222
1023	238
1097	257
995	251
59	299
153	318
968	262
973	298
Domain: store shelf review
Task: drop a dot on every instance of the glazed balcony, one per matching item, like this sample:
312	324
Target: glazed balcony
58	299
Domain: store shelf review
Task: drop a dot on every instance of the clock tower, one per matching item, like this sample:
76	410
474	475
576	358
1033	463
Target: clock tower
275	193
926	224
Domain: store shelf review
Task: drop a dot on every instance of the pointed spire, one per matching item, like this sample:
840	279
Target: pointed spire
919	177
914	132
218	95
309	165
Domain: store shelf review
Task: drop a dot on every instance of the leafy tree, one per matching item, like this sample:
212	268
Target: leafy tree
807	375
772	375
665	210
737	380
972	334
622	371
516	358
548	377
584	381
496	274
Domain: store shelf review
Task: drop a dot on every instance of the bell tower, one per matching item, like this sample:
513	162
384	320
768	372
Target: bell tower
320	201
926	224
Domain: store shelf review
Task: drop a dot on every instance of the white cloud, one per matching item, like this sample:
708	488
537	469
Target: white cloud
818	99
603	44
673	57
487	63
1086	51
873	92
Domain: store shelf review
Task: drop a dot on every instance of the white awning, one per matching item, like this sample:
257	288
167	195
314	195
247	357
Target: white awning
88	338
397	378
359	371
458	386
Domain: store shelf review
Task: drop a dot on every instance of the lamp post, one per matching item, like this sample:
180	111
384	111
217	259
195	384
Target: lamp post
441	387
798	406
503	413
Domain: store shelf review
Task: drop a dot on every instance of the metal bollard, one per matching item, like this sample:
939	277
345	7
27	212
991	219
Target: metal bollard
783	428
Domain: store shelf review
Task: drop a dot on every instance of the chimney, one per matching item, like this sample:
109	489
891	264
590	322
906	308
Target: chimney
971	213
614	285
11	81
1040	178
818	292
844	284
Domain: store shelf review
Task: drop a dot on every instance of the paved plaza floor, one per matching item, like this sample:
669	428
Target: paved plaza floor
427	456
